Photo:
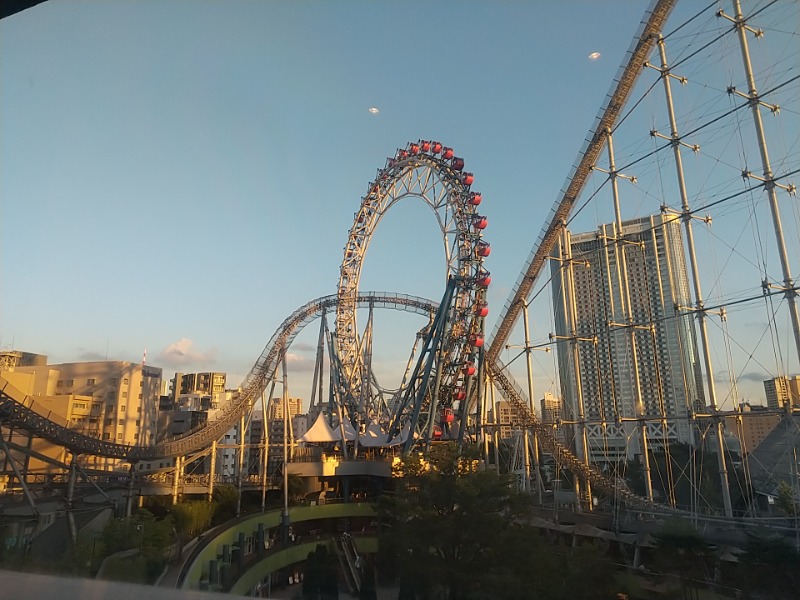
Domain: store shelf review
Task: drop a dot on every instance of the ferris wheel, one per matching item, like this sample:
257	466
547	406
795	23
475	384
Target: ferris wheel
431	172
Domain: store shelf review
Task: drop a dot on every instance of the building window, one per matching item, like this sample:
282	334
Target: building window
60	383
139	408
140	396
138	423
124	394
121	422
106	436
125	381
136	436
121	408
90	381
114	381
109	408
119	436
109	422
112	395
70	382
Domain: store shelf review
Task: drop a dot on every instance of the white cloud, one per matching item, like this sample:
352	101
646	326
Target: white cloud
183	353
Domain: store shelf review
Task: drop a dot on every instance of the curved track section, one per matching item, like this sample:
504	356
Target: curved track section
565	458
431	172
17	409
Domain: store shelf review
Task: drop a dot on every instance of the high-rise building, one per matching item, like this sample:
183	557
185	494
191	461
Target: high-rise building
121	400
666	350
783	390
751	425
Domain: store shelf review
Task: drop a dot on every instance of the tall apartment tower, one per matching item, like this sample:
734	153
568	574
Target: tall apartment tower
668	362
783	390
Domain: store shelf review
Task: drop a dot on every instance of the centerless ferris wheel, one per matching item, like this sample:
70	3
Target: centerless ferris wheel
433	401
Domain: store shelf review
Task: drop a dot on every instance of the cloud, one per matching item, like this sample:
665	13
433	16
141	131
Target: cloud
723	377
299	363
182	353
303	347
91	356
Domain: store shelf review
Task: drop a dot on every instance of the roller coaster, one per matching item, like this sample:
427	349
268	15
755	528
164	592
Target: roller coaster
440	397
453	365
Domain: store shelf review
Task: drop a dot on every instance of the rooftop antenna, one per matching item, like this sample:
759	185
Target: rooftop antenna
144	357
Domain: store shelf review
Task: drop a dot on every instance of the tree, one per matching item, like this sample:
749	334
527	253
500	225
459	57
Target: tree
453	530
785	500
680	548
769	567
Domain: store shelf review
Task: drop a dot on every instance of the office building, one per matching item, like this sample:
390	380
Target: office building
668	365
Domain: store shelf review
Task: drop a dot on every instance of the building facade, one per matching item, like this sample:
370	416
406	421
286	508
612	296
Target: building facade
115	401
593	320
783	391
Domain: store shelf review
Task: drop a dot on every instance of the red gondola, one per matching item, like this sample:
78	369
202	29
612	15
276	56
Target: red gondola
447	415
468	369
459	394
475	198
467	178
476	340
480	222
425	145
437	432
413	148
402	153
447	153
482	309
483	249
458	163
436	147
483	279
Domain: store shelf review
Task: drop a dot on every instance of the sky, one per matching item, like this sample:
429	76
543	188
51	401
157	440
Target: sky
179	177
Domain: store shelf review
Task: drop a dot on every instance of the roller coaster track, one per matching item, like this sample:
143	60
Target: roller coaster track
563	456
643	43
19	410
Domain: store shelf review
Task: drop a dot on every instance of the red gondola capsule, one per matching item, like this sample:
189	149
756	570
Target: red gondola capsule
447	415
475	198
437	432
476	340
483	249
402	153
425	145
413	148
459	394
480	222
482	310
467	178
468	369
458	163
447	153
436	147
483	279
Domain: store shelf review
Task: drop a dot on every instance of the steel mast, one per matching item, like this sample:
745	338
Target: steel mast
768	178
700	311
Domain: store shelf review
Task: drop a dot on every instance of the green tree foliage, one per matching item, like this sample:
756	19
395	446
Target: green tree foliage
681	549
786	501
453	530
192	518
225	500
769	568
320	578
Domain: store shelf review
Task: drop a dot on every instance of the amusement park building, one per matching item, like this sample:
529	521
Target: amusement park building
109	400
667	354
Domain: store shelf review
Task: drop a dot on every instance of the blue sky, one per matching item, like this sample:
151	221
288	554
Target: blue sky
180	176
